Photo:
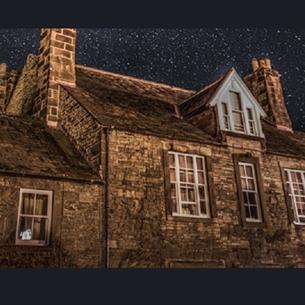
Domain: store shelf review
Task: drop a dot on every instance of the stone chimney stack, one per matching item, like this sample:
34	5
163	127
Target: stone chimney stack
56	66
3	83
265	84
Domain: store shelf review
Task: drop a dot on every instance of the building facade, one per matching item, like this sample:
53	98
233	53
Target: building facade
143	174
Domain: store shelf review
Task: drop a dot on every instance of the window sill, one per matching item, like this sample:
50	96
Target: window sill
243	135
32	244
179	218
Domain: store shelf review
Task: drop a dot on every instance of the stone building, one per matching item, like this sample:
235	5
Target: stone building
104	170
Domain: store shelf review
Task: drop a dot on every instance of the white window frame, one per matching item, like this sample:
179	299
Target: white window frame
293	196
245	116
36	192
196	184
255	191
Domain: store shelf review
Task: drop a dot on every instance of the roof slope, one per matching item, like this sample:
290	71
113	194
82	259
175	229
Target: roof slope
133	85
150	110
28	147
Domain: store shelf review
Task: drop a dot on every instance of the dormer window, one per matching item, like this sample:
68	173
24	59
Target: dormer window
237	112
237	115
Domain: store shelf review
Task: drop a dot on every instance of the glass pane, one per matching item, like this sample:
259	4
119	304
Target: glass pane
191	178
182	176
200	177
189	161
203	207
191	194
183	192
189	209
299	177
171	160
244	183
235	99
199	163
249	171
251	185
238	121
293	177
182	161
25	228
41	205
242	170
252	198
247	211
250	114
39	228
27	204
172	174
224	108
201	192
254	212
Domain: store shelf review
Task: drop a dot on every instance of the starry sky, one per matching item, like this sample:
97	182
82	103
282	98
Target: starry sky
188	58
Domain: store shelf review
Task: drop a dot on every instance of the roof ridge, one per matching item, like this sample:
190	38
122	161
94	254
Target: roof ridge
157	84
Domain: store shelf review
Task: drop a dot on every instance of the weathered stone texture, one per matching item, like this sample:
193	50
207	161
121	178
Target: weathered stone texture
3	81
82	129
75	233
143	234
21	101
264	83
56	66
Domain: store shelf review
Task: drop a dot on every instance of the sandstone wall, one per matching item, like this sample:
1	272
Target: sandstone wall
75	232
143	234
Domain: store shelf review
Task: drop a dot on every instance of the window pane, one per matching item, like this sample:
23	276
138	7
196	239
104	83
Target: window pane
200	177
224	108
253	212
250	114
251	185
25	228
249	171
242	171
41	207
189	209
235	99
173	190
199	164
174	204
182	161
39	229
27	204
252	198
203	207
190	175
190	162
244	184
191	195
201	192
182	176
183	192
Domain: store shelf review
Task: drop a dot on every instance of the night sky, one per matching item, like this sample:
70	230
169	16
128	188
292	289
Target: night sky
181	57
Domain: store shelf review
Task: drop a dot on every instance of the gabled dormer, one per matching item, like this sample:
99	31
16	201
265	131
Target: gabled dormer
225	105
238	111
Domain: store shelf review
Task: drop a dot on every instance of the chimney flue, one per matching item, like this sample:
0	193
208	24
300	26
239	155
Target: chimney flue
56	66
265	84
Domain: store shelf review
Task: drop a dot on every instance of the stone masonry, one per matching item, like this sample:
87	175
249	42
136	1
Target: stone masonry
56	66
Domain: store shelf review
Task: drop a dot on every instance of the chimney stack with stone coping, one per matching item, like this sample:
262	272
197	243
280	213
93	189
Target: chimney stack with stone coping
265	84
3	84
56	66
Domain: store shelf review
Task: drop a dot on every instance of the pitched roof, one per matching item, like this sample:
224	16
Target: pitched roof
134	105
201	98
27	147
283	142
124	83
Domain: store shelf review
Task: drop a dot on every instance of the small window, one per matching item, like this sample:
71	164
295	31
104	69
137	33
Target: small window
251	121
34	217
226	116
249	192
189	193
237	112
295	181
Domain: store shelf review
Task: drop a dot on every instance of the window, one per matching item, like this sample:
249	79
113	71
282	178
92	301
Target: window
251	122
295	182
34	217
226	117
237	112
188	182
250	196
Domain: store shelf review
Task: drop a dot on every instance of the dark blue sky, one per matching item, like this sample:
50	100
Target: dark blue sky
181	57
